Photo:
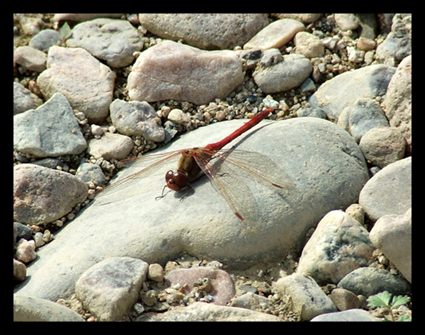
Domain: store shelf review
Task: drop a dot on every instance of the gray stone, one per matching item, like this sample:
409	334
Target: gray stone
110	146
45	39
382	146
79	17
200	311
136	118
91	172
32	59
35	309
347	21
337	93
51	130
42	195
250	300
283	75
392	234
398	99
82	79
311	151
111	40
308	45
370	281
110	288
312	112
360	116
205	31
275	35
338	246
19	270
23	99
308	299
389	191
351	315
344	299
170	70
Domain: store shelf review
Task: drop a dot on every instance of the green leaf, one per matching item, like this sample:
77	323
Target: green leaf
399	300
65	31
404	318
380	300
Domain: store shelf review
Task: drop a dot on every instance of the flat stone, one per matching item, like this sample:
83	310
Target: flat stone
368	82
392	234
111	40
339	245
282	75
370	281
82	79
42	195
389	191
170	70
200	311
311	151
51	130
344	299
110	288
79	17
382	146
136	118
351	315
35	309
308	299
45	39
308	45
275	35
347	21
32	59
205	31
23	99
110	146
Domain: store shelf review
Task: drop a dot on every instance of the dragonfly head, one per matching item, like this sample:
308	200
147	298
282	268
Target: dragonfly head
176	180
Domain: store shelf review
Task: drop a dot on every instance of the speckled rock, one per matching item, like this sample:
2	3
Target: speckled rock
110	146
308	45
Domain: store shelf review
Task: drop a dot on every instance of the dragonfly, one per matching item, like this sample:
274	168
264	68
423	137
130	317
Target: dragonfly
225	168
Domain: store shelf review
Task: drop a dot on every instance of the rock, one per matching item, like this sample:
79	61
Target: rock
25	250
356	212
308	45
398	43
170	70
389	191
338	246
23	99
311	151
344	299
312	112
252	301
360	116
347	21
51	130
136	118
38	239
370	281
222	288
35	309
392	234
350	315
30	24
110	288
156	272
32	59
91	172
382	146
200	311
365	44
82	79
176	115
283	75
79	17
308	299
305	18
45	39
19	270
110	146
22	231
111	40
398	99
275	35
367	82
42	195
205	31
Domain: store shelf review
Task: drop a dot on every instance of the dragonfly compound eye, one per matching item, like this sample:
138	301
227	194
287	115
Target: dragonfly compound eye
176	180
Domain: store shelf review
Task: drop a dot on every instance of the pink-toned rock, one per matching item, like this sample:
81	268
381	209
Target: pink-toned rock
176	71
25	250
32	59
222	285
275	35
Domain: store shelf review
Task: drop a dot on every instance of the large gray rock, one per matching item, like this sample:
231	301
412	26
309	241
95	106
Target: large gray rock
51	130
170	70
23	99
351	315
205	31
323	161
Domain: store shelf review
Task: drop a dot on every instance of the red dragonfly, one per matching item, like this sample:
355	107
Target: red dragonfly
222	166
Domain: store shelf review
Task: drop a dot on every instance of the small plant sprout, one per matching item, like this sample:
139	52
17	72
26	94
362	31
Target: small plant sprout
383	299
